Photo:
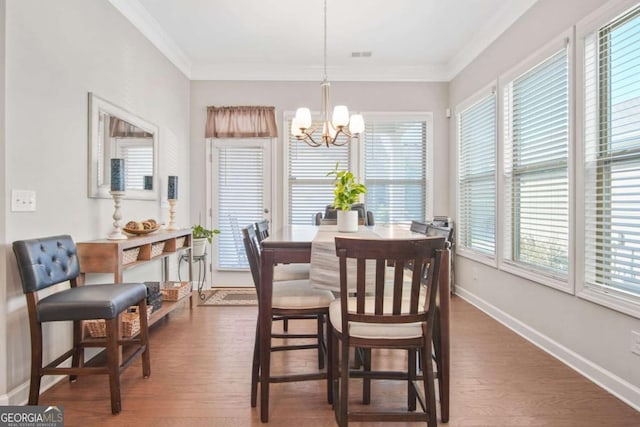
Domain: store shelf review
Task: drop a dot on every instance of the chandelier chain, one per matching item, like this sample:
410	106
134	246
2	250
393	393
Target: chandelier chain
325	40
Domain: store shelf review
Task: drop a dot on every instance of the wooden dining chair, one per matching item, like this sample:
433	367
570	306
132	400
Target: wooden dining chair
46	262
282	272
292	299
262	229
387	314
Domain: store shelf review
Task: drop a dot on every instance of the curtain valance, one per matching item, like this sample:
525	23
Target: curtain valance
241	122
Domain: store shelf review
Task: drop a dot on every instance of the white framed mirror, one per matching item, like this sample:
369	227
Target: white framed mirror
117	133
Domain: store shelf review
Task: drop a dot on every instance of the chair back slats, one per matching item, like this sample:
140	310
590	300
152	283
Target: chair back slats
47	261
262	230
404	299
252	248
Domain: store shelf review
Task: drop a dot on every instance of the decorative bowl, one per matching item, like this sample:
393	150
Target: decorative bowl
140	232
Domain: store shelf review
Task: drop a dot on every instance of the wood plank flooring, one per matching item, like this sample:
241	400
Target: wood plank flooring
200	376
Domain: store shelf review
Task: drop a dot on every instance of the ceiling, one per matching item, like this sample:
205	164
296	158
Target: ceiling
409	40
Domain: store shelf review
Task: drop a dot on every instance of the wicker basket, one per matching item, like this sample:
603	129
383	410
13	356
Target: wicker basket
180	242
129	327
156	249
173	291
130	255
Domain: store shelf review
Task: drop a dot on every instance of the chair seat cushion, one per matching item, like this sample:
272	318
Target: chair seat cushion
374	330
90	302
297	294
284	272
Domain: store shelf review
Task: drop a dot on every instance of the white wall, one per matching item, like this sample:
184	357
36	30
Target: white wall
594	339
57	52
289	95
3	248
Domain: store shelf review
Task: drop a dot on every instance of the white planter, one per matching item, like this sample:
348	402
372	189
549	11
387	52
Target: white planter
198	247
347	221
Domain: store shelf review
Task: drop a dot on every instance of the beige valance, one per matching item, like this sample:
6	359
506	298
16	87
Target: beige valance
118	128
241	122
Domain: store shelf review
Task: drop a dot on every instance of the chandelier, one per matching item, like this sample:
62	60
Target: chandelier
331	129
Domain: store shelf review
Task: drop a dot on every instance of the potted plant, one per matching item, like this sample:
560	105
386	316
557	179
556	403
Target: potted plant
346	192
200	236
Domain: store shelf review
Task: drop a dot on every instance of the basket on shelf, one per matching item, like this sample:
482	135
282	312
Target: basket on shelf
156	249
130	255
130	323
180	241
173	291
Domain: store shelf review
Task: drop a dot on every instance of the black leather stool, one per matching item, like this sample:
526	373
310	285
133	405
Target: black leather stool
48	261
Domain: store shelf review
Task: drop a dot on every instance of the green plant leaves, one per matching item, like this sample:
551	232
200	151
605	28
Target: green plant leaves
347	191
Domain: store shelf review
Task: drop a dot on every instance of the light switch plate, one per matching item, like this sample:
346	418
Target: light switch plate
23	201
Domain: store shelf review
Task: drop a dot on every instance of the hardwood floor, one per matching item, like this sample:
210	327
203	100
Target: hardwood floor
200	376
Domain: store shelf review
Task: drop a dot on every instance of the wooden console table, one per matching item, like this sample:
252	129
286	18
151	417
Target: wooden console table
116	256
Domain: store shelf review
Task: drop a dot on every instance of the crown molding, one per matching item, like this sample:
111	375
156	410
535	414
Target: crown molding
502	20
151	29
294	72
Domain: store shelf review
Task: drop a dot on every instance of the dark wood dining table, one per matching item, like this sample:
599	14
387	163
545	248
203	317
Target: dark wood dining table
291	245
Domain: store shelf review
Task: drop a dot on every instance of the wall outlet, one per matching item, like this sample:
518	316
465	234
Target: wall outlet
23	201
635	342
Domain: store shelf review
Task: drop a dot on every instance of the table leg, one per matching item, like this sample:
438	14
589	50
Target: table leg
444	290
264	328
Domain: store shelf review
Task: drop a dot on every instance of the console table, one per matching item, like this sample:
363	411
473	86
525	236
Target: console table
116	256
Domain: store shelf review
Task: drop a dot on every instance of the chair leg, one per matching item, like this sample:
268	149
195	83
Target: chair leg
320	321
113	364
144	338
255	370
335	371
411	391
343	412
429	386
330	366
443	391
77	358
36	362
366	382
285	324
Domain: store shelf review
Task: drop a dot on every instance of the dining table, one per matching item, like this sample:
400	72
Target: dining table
293	244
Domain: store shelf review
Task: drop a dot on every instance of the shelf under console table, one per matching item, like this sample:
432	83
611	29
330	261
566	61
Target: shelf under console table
116	256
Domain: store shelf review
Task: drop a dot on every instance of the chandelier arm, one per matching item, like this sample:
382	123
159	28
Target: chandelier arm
308	139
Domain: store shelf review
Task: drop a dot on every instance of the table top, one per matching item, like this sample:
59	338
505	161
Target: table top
302	235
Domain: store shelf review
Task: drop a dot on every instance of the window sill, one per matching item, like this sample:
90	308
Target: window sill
611	299
553	282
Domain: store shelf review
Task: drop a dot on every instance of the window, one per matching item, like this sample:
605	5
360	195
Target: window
310	189
477	177
612	160
395	167
535	174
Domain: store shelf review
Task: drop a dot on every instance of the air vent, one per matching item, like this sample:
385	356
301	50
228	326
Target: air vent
363	54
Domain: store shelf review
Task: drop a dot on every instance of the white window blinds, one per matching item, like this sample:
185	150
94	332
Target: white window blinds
477	177
536	181
310	189
395	169
612	157
138	160
240	175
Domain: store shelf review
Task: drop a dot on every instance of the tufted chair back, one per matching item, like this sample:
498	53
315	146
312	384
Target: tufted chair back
46	262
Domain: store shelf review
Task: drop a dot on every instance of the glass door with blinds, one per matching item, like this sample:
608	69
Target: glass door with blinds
241	186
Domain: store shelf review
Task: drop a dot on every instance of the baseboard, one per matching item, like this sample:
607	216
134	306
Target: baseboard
20	394
623	390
